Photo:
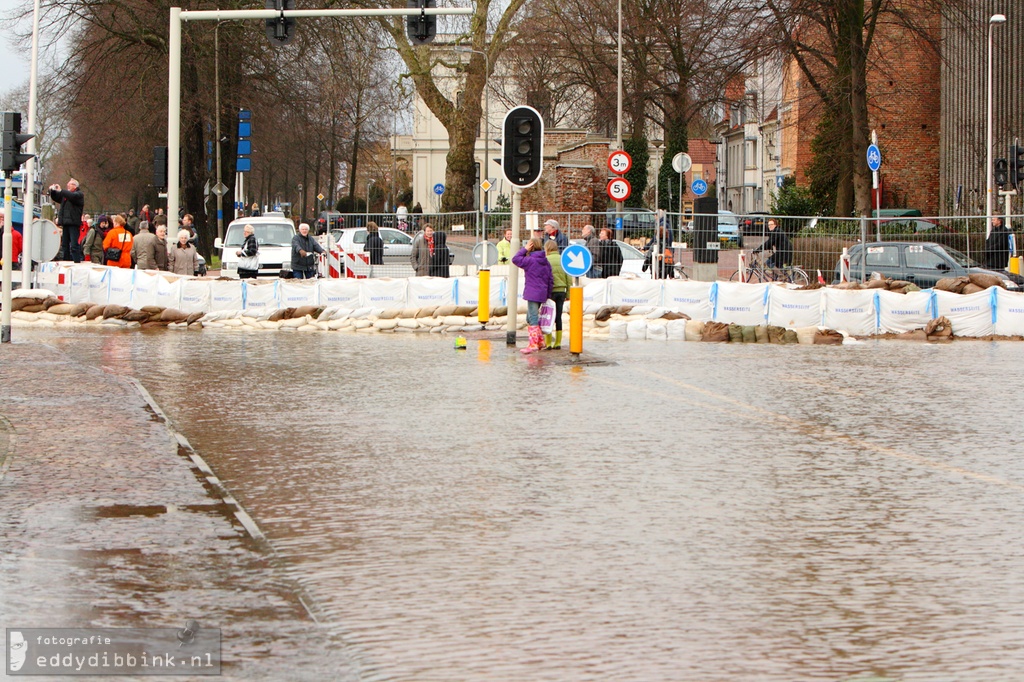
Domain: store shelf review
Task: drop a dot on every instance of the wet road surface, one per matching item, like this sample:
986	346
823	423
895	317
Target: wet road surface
686	512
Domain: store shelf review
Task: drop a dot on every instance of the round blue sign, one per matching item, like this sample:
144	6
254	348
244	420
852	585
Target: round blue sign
576	260
874	158
439	189
699	187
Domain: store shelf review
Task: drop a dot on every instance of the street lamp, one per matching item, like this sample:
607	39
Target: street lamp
369	184
465	49
993	20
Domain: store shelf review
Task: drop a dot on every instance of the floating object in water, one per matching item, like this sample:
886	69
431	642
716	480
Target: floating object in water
460	343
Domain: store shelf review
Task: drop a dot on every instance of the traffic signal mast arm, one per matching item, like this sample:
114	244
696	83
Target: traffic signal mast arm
226	15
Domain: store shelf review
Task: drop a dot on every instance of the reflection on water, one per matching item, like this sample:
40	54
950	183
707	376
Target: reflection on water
693	511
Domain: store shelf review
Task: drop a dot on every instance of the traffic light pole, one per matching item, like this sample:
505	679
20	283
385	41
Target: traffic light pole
177	15
28	180
8	253
513	272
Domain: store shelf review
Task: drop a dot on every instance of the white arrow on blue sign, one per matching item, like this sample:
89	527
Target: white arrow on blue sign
576	260
699	187
439	189
874	158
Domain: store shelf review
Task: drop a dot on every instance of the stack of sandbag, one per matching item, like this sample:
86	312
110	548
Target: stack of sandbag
897	285
972	284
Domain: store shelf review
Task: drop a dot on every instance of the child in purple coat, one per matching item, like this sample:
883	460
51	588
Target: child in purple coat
538	284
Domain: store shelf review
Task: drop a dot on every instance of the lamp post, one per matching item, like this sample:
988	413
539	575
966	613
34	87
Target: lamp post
618	115
487	128
369	184
993	20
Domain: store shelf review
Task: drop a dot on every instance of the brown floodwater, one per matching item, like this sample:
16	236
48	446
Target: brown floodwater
686	511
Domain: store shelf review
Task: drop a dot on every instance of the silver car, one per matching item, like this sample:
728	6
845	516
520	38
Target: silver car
397	244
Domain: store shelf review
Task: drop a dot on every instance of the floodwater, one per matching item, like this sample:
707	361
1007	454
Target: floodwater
685	512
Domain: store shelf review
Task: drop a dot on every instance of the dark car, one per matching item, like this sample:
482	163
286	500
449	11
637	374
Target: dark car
633	219
923	263
329	220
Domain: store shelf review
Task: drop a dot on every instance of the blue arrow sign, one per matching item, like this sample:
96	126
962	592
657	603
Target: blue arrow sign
576	260
439	189
874	158
699	187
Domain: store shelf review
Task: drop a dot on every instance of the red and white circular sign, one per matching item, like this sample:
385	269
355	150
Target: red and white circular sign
619	189
619	162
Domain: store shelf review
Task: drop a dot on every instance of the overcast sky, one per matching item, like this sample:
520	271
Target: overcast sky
15	65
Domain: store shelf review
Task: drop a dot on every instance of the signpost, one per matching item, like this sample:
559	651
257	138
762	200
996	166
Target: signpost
439	189
681	163
576	261
699	187
874	163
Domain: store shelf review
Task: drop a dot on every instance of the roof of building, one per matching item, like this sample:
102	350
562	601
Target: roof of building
702	151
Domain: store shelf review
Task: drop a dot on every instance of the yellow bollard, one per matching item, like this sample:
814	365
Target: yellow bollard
576	319
484	307
1015	264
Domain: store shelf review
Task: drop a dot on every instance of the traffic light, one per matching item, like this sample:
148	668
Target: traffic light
1001	172
1017	166
280	30
160	167
10	128
522	148
421	28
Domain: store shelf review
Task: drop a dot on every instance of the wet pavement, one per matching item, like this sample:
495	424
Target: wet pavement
677	511
106	522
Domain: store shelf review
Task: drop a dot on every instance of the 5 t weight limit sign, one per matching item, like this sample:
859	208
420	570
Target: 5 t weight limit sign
619	189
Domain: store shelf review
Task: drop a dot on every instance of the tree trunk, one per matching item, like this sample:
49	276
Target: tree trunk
859	122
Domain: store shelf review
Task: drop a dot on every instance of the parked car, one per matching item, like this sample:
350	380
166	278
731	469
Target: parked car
632	259
754	223
397	244
729	228
329	220
923	263
273	233
633	219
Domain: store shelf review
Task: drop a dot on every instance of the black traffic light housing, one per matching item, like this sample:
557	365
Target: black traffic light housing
160	168
13	139
421	27
280	30
1001	172
522	148
1016	169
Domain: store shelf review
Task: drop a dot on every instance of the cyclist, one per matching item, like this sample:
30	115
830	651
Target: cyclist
778	242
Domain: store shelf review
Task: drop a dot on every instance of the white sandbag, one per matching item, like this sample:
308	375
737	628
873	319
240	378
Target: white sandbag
211	324
690	298
79	290
361	324
341	313
675	330
233	322
454	320
308	328
424	292
144	290
622	291
322	326
740	303
1009	307
657	330
339	324
297	293
595	293
267	324
226	295
790	308
898	313
849	310
295	322
338	292
260	298
805	335
617	330
694	330
195	295
120	291
363	312
407	323
383	293
467	292
429	322
655	314
385	324
644	310
99	285
636	329
969	315
168	292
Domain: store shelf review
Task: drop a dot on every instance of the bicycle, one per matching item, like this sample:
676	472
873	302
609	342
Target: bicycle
757	272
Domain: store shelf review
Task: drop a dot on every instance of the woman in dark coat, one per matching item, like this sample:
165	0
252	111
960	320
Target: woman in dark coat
374	244
439	260
611	255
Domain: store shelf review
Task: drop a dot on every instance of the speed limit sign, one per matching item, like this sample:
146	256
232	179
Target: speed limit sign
620	162
619	189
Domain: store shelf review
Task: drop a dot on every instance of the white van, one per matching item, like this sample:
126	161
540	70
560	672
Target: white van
274	234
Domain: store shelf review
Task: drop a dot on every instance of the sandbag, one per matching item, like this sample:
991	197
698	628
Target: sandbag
604	313
972	288
805	335
748	335
694	330
985	281
715	332
828	337
136	316
775	333
675	330
617	330
281	314
445	310
912	335
95	312
79	309
952	284
636	329
304	310
735	333
426	312
114	311
876	284
657	331
761	334
790	336
170	315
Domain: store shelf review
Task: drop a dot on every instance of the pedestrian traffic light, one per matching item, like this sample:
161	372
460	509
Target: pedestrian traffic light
421	27
10	128
280	29
160	168
522	149
1017	166
1001	172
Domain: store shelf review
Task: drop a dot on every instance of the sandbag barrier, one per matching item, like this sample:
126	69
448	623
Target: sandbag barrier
876	308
